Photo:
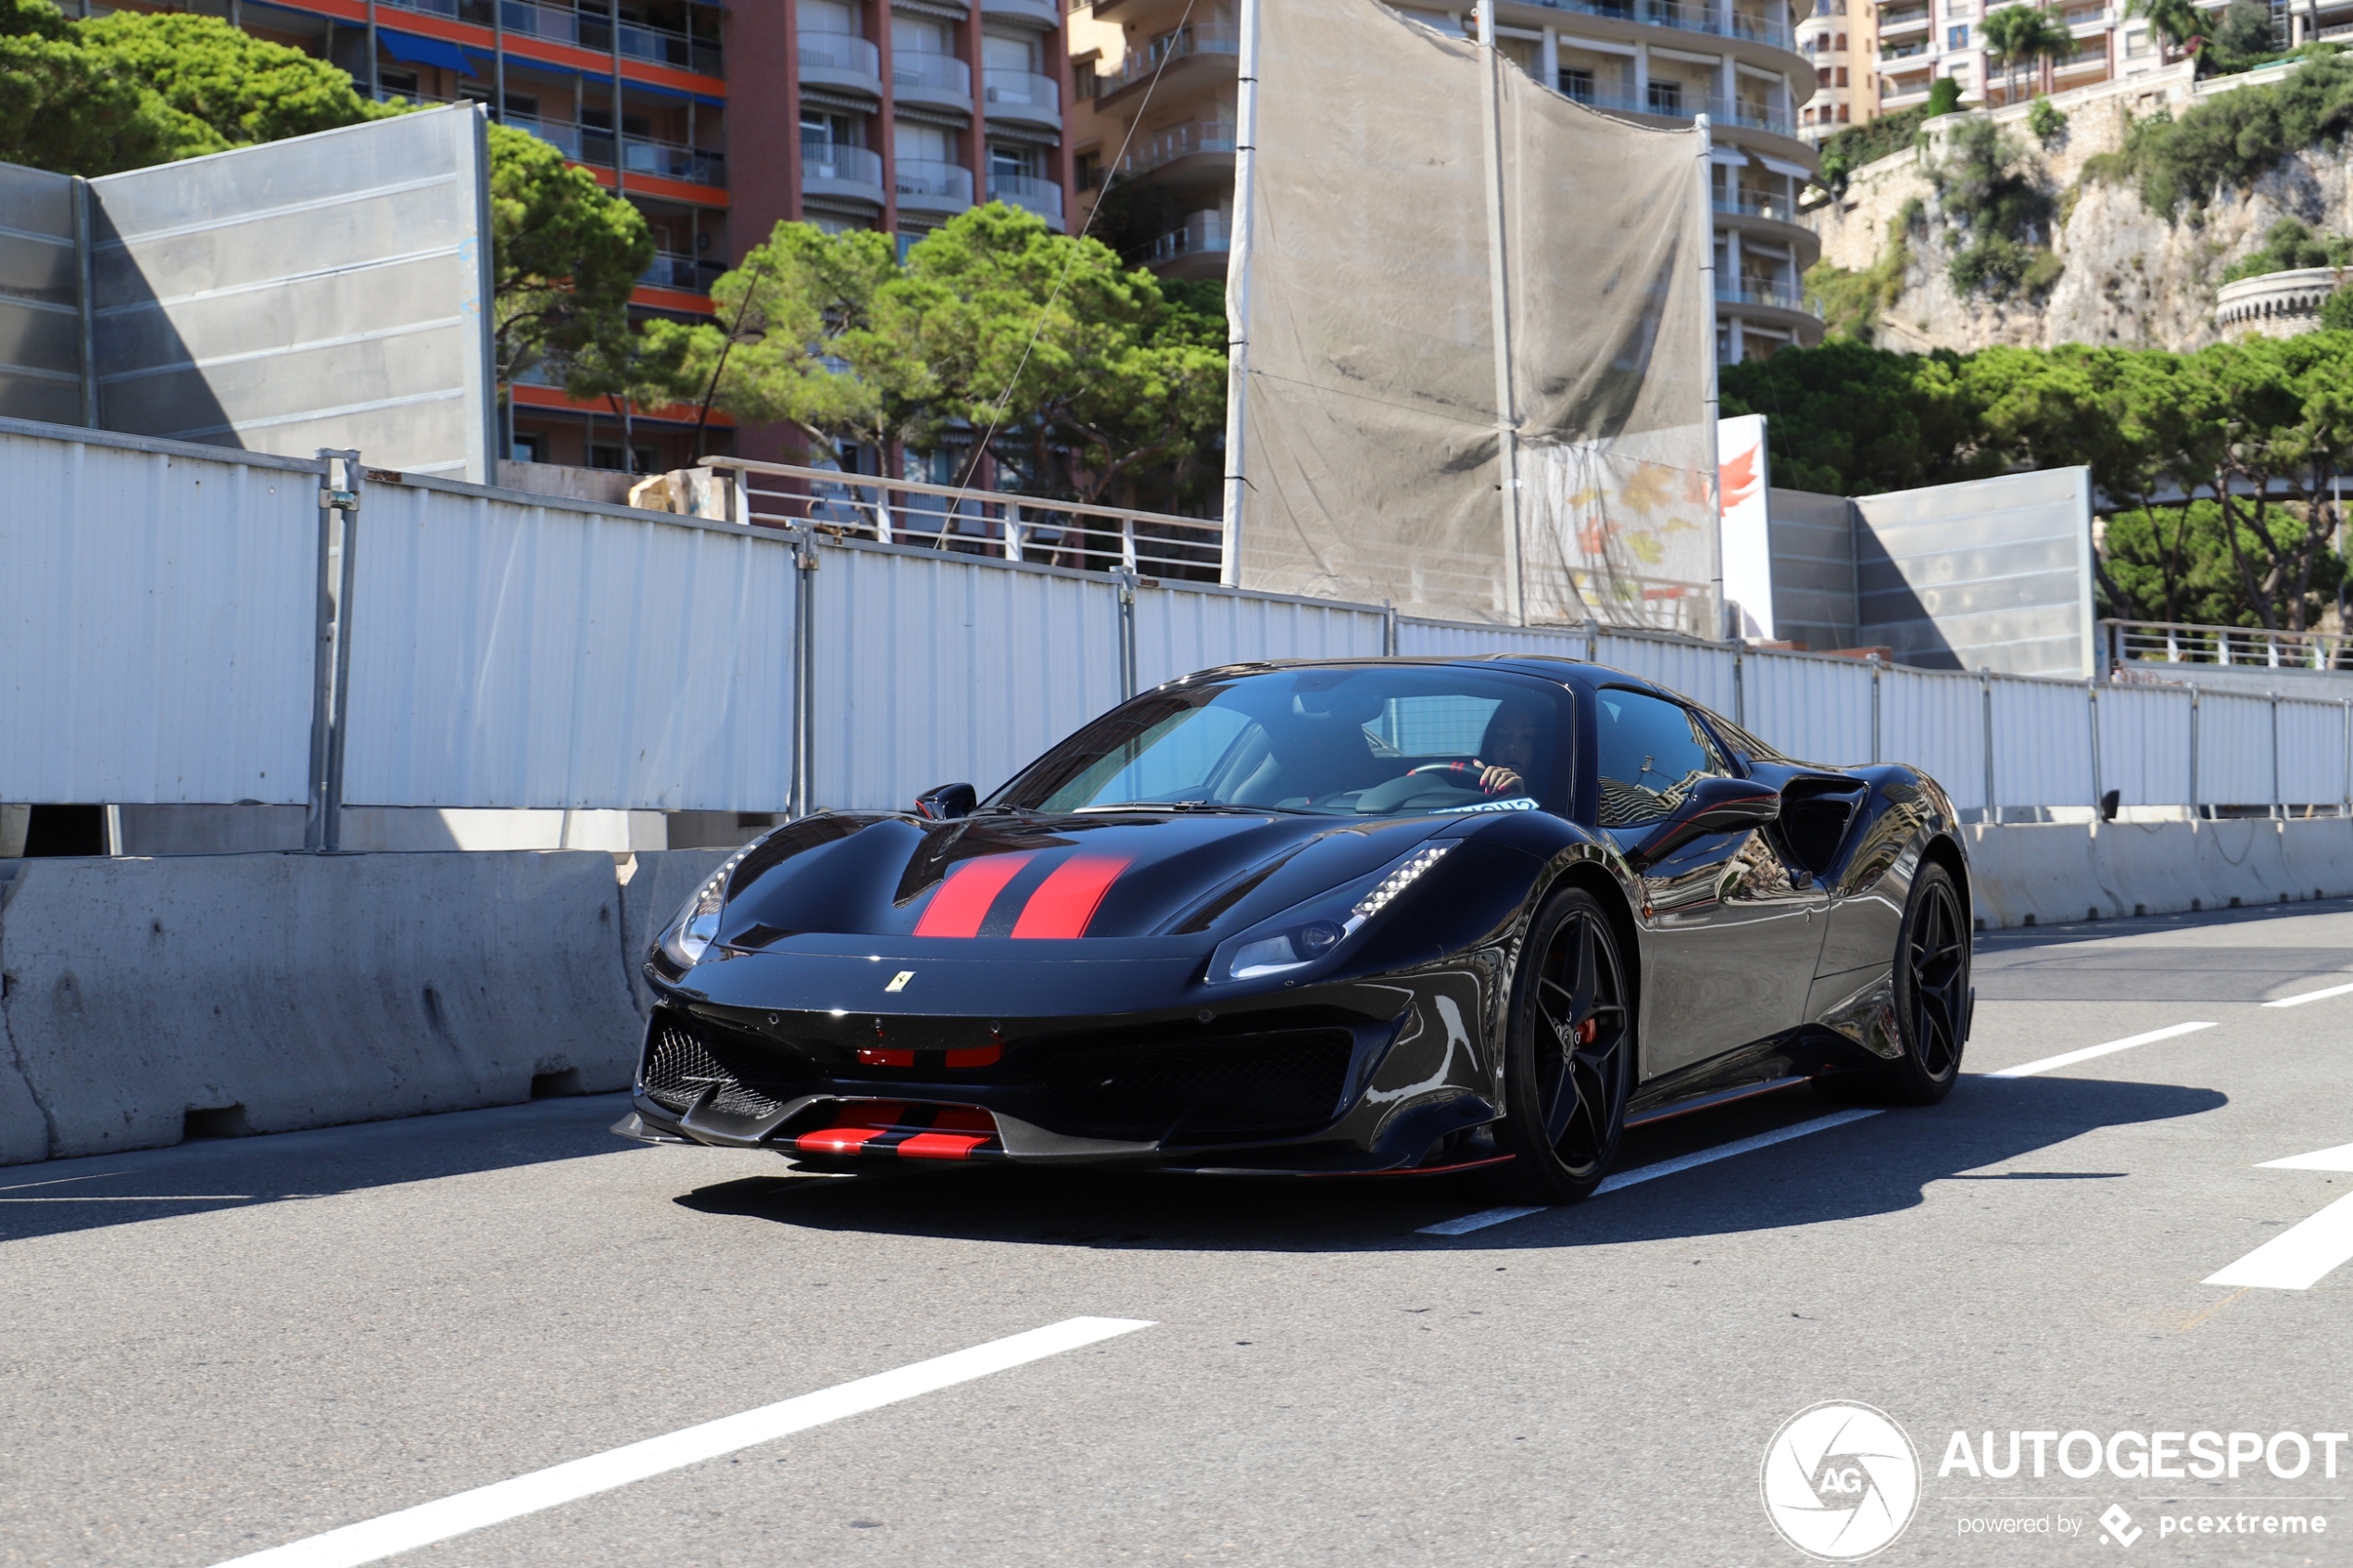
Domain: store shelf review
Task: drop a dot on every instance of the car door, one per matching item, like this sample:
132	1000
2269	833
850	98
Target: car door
1733	929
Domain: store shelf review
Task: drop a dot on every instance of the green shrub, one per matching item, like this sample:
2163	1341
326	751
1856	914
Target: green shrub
2233	138
2043	119
2002	215
2288	247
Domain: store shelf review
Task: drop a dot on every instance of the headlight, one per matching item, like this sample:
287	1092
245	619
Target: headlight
690	936
1311	932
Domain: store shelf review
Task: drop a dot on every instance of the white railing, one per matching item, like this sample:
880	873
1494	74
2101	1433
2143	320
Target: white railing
1028	193
1199	38
1204	233
941	73
840	51
1024	89
931	179
2255	648
980	522
860	166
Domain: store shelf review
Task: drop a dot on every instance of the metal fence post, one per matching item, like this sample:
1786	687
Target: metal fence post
2279	807
342	499
1739	685
1875	674
1985	691
804	682
2345	801
2092	690
1126	578
2193	738
1388	630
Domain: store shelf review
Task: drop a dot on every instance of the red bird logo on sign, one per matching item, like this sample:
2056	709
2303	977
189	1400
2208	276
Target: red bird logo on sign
1736	479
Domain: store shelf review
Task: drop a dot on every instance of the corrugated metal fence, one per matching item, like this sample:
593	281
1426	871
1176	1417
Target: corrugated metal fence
161	615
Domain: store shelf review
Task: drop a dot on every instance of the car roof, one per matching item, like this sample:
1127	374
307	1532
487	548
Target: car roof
1557	668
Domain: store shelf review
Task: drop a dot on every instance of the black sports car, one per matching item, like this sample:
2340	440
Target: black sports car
1391	915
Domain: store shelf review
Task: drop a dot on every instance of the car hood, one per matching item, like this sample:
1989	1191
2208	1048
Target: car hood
1015	875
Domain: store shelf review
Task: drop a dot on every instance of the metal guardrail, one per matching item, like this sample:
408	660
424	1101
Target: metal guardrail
1196	38
2158	642
963	521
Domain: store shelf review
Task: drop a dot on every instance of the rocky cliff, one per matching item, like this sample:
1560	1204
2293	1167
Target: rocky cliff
2123	275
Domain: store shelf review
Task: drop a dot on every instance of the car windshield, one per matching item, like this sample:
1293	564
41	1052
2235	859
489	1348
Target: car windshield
1369	741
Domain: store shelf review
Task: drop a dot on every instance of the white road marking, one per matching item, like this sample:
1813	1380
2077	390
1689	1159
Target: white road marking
152	1198
2069	1059
374	1539
1625	1179
2300	1255
60	1181
2309	996
1479	1222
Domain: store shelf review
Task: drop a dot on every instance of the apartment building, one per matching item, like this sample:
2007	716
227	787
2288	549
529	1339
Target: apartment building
871	114
1157	109
1840	39
1914	42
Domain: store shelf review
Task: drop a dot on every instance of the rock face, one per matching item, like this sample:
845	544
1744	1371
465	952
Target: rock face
2131	277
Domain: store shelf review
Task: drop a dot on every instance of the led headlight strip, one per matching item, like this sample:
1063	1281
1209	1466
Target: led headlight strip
1395	882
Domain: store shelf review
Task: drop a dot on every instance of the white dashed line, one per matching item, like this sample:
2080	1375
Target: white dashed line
377	1538
2309	996
2069	1059
2299	1257
1641	1173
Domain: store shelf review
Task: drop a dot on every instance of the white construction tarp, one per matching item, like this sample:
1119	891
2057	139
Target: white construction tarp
1371	454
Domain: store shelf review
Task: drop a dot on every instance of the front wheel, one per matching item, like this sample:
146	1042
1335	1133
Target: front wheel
1569	1054
1932	1001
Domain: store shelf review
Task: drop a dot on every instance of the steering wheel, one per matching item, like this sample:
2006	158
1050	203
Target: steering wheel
1471	768
1474	770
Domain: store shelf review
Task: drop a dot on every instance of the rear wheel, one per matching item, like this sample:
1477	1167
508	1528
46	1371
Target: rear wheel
1569	1052
1932	1001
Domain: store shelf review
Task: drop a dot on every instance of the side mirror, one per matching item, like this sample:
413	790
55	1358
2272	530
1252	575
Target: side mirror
1713	806
945	803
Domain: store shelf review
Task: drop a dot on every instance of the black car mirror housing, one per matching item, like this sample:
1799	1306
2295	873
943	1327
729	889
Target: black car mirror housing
945	803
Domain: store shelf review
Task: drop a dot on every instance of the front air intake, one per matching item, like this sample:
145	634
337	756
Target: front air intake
686	1058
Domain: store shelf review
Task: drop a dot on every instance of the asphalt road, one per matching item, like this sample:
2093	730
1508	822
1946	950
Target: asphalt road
228	1347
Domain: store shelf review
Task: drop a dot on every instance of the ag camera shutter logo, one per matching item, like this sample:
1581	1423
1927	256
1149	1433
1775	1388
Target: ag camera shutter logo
1841	1481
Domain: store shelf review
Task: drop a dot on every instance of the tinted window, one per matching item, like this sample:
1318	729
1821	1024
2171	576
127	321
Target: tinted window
1374	740
1648	753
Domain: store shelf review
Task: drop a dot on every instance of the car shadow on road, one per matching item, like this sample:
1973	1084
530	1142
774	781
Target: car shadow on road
93	1192
1874	1166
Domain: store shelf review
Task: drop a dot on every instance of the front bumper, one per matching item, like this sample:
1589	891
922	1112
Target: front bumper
1293	1087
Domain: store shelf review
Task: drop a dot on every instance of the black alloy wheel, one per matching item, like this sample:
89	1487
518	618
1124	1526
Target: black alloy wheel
1931	972
1569	1056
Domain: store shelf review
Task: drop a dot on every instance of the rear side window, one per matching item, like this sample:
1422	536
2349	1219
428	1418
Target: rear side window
1648	754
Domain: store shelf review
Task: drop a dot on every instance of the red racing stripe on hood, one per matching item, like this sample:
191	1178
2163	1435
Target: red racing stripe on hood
1065	901
962	900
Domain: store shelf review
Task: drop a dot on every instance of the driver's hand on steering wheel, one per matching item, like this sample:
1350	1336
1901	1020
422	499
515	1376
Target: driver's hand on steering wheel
1498	780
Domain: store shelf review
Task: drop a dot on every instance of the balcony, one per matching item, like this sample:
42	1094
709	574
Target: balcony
1894	22
838	59
1757	117
1749	113
1200	247
855	173
1026	192
1916	47
1761	291
1686	17
1037	13
1747	205
1025	95
672	271
1180	142
640	155
585	30
1200	39
929	185
941	81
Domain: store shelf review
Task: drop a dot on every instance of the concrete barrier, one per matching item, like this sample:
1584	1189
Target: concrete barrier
147	999
2046	872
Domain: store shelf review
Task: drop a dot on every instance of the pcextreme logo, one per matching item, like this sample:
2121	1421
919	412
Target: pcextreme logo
1841	1481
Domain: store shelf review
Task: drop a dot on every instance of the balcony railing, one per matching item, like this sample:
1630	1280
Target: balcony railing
1025	89
1719	111
842	52
1027	192
930	180
857	165
1749	205
642	154
941	73
1761	291
586	29
1178	140
1204	233
1889	21
1199	38
1687	17
2158	642
672	271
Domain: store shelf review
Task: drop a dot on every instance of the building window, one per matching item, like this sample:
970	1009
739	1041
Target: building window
603	457
1841	45
1841	76
1957	37
2136	43
1082	79
1822	77
1576	82
1841	114
1087	170
529	445
1667	98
